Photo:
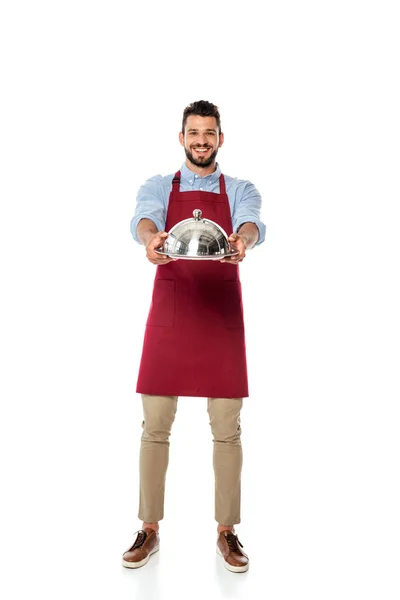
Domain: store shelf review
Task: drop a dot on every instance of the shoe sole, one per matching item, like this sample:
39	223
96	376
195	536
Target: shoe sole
133	565
231	567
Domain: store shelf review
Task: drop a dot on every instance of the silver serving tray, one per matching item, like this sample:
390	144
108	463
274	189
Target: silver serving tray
204	257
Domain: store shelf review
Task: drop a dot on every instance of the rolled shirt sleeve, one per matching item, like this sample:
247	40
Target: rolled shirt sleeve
247	209
151	203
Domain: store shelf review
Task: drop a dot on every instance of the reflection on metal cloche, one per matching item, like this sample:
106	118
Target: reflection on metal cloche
197	238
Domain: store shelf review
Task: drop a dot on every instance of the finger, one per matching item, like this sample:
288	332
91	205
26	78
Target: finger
235	238
233	259
159	262
156	253
151	255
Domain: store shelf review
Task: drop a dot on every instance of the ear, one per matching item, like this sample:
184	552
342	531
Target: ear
181	138
221	139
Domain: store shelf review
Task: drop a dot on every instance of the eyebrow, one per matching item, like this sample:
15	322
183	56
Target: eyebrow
193	129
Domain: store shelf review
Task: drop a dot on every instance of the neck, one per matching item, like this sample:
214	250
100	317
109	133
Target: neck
202	171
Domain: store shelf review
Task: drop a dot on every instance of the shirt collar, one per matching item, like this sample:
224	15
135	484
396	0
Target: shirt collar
188	175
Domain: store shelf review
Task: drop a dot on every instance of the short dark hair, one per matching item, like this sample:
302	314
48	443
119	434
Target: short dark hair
202	108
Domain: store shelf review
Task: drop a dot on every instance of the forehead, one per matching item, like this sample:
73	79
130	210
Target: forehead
201	123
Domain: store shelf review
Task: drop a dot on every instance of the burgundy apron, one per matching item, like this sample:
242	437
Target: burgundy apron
194	343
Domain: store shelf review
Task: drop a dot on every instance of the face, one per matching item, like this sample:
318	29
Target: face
201	140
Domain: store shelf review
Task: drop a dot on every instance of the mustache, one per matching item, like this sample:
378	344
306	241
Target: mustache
198	146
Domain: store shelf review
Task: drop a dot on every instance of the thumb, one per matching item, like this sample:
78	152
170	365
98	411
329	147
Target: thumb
161	235
158	238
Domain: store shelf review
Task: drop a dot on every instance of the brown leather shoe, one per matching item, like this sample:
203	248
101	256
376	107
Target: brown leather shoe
147	542
229	547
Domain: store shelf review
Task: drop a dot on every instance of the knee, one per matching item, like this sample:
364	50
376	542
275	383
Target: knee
159	415
156	431
225	433
225	419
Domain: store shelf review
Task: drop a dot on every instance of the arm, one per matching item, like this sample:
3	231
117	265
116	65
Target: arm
146	229
147	226
151	204
243	240
151	238
248	229
249	234
247	210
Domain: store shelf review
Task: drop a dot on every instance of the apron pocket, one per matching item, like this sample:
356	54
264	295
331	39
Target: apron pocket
162	309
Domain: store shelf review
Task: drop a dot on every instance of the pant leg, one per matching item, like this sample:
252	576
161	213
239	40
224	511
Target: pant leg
227	457
159	414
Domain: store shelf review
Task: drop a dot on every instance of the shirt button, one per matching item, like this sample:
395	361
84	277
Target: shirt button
196	176
191	181
201	189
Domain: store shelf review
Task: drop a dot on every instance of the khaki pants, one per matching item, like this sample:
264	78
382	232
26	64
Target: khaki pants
159	414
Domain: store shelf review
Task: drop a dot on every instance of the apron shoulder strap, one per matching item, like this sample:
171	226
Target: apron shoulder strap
176	182
222	187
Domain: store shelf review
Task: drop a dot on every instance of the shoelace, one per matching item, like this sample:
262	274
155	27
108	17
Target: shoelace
140	539
233	542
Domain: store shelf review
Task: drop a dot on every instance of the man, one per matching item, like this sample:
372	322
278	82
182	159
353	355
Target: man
194	343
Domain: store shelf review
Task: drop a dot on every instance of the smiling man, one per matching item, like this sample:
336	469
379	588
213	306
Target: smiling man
194	344
201	139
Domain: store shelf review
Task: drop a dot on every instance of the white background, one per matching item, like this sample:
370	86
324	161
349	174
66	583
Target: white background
91	105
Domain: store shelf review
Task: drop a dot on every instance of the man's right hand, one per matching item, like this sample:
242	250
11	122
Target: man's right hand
156	241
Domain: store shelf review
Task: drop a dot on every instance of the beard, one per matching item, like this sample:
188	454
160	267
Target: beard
201	162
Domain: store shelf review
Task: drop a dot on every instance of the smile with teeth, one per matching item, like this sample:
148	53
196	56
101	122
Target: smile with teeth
203	150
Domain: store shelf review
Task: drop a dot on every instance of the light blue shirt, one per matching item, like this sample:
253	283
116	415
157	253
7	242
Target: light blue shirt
153	197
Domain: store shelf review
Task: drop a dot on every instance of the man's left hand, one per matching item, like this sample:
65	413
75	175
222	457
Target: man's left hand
237	243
